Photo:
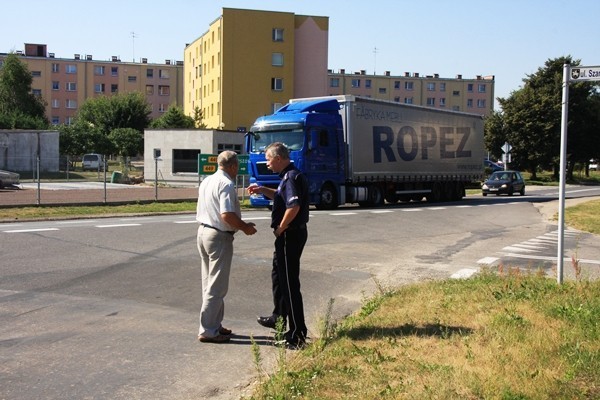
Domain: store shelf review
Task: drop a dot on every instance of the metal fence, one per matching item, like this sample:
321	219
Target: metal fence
64	181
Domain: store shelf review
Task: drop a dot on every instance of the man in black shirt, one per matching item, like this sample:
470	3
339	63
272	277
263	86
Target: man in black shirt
288	220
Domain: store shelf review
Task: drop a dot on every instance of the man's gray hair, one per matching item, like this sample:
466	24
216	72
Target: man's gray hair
278	149
227	158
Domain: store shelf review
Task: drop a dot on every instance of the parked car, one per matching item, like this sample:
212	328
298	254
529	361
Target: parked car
92	161
504	182
8	178
593	165
492	166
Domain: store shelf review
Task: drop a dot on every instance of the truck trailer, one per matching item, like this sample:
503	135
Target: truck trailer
361	150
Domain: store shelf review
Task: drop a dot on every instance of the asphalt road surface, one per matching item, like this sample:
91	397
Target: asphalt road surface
108	308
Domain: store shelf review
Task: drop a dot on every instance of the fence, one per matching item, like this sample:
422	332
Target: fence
63	181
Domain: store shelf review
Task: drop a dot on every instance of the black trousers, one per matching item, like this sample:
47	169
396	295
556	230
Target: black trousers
285	277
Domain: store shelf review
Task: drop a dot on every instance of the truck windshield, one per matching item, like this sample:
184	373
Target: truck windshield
293	139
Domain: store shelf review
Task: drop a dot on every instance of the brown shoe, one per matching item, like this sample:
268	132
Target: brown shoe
225	331
214	339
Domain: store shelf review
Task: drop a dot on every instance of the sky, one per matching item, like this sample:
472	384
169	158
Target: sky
509	39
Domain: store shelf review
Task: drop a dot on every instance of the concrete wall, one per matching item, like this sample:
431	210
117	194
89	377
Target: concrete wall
19	150
173	142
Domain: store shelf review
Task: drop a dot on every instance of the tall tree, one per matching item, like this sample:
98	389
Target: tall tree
129	110
19	107
173	118
531	120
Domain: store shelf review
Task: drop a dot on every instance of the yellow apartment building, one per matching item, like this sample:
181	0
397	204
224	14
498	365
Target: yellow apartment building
249	63
472	95
65	83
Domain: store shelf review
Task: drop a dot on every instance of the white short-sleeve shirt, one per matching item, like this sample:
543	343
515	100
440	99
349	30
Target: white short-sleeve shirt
216	195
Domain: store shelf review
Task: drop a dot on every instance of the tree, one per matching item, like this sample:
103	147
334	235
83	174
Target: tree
19	107
198	116
531	120
173	118
127	141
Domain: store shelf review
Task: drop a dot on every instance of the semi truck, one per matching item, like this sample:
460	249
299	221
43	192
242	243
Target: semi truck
361	150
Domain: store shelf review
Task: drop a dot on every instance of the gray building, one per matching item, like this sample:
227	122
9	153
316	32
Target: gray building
20	150
178	150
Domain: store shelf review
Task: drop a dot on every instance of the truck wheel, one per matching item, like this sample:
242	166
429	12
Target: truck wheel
391	197
327	198
374	197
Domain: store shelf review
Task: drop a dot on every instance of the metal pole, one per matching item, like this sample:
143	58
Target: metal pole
104	166
563	163
155	179
37	173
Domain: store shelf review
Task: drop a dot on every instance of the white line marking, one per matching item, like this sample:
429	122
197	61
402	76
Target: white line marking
381	211
186	222
544	258
31	230
513	248
464	273
413	209
488	260
116	225
343	213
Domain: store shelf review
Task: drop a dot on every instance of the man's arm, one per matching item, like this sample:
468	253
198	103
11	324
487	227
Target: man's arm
231	219
265	191
288	217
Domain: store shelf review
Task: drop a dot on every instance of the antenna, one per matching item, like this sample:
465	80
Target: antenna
375	51
133	36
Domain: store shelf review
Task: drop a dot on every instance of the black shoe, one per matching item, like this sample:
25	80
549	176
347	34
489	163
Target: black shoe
295	342
267	322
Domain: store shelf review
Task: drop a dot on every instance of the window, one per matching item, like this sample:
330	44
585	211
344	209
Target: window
71	104
276	106
481	103
382	90
55	85
367	83
71	69
99	70
397	99
355	83
114	71
470	103
277	84
235	147
396	84
431	101
408	85
481	88
163	74
36	74
55	103
470	87
149	73
334	82
456	93
149	90
277	59
277	34
114	88
442	102
55	67
185	160
408	100
99	88
68	120
442	87
131	78
37	92
164	90
431	86
55	120
71	86
455	108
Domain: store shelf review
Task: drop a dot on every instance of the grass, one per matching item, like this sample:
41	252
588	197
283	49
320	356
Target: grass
499	335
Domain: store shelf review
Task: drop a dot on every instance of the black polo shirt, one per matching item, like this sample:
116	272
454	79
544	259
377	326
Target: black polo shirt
292	191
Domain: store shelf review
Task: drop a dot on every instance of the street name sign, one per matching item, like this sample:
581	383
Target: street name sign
580	73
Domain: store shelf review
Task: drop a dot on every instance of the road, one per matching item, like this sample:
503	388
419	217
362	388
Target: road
108	308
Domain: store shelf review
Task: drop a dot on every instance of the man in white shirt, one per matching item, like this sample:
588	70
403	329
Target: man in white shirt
219	214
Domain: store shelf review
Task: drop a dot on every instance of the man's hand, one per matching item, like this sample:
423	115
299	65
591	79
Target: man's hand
249	229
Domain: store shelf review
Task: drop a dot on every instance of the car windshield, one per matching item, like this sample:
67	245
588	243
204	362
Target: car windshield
500	176
293	139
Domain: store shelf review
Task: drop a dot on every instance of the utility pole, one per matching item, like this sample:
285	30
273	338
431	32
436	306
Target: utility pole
133	36
375	51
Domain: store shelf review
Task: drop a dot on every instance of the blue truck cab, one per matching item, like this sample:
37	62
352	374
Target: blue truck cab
312	131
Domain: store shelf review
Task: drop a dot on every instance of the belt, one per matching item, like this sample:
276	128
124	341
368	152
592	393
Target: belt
216	229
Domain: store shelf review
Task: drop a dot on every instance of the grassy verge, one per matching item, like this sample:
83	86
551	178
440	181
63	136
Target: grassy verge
494	336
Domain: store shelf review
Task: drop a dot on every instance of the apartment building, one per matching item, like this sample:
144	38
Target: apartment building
66	83
249	63
475	95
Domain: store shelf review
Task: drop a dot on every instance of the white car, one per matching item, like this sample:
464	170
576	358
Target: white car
8	178
593	165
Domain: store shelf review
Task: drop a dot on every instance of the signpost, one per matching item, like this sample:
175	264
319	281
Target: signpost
574	74
207	164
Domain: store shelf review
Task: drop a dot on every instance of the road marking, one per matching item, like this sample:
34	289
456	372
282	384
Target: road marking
464	273
31	230
79	221
343	213
381	211
514	248
186	222
116	225
488	260
412	209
